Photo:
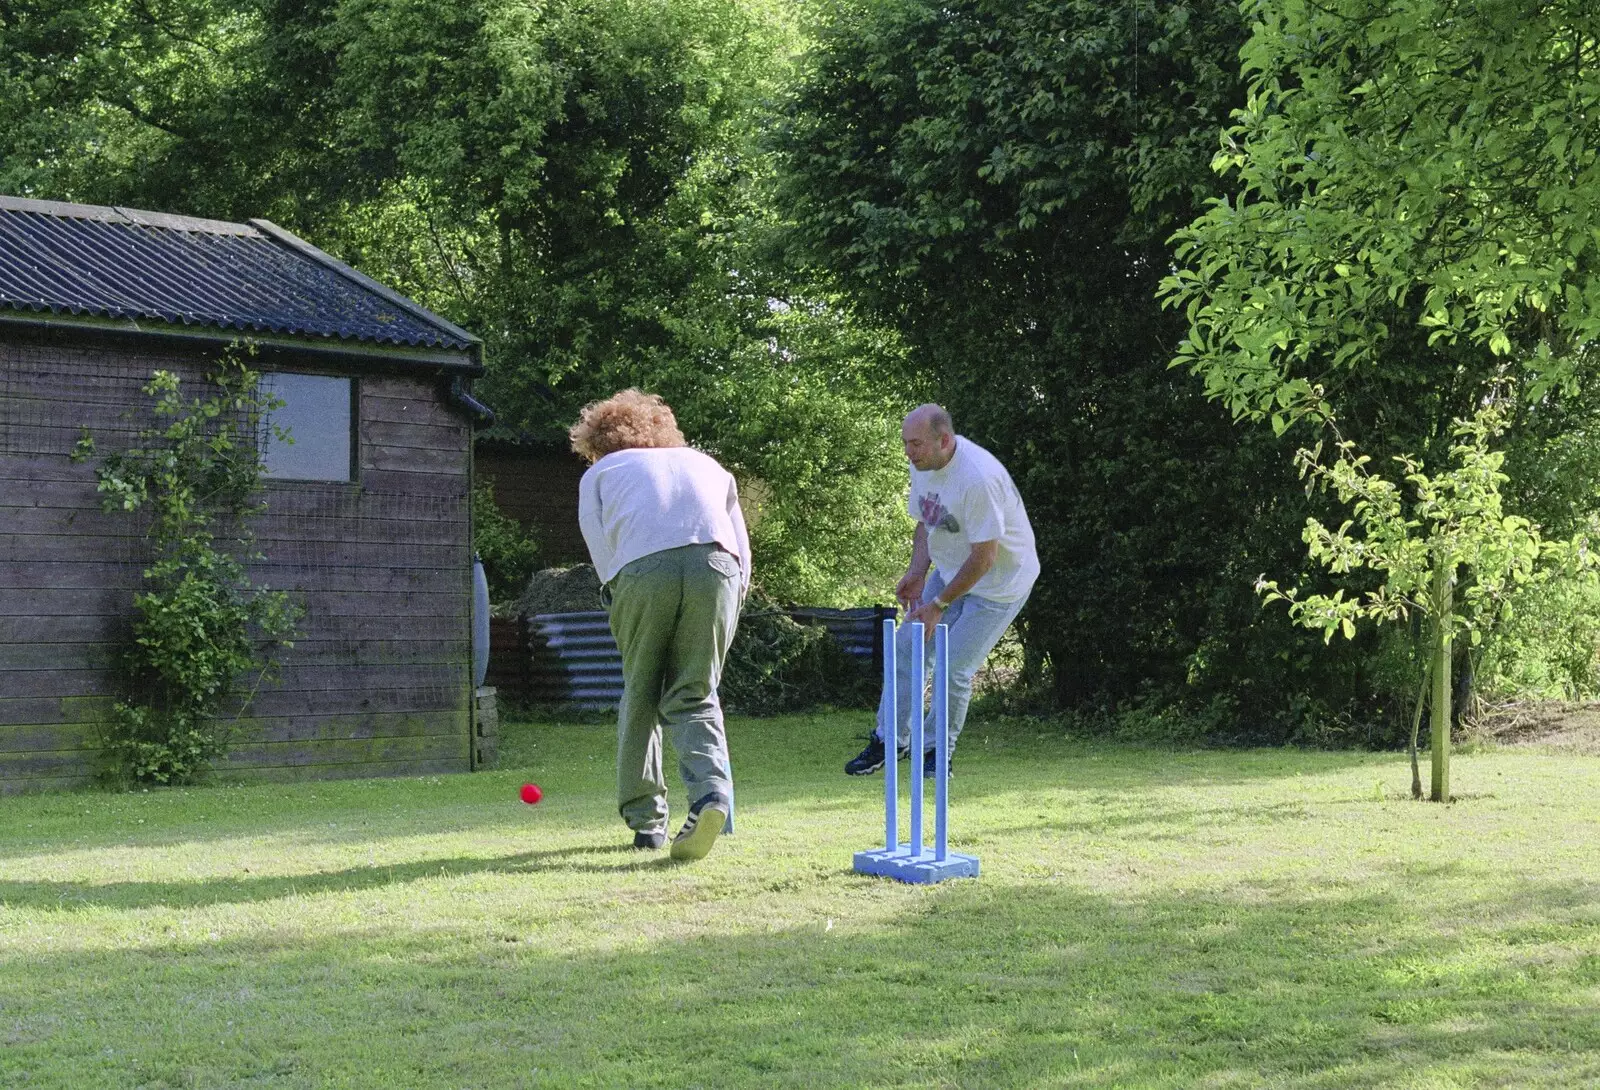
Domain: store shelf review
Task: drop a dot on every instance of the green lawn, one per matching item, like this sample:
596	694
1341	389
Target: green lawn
1145	918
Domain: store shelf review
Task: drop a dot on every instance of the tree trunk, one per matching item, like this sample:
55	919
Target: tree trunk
1034	658
1439	721
1463	683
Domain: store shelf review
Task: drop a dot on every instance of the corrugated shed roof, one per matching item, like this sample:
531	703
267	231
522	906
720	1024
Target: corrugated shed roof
121	263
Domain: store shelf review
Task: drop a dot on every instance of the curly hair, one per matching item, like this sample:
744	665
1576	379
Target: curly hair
624	420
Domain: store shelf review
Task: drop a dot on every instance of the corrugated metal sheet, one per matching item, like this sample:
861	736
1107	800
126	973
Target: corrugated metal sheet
122	264
573	658
859	631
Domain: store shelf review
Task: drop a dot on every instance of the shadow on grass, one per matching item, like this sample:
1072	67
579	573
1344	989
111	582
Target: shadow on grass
74	896
776	762
975	985
1183	821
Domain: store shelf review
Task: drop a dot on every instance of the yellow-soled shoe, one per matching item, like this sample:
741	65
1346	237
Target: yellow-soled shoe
707	818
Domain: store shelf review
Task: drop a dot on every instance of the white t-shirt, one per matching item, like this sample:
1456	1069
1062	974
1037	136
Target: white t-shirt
644	500
972	499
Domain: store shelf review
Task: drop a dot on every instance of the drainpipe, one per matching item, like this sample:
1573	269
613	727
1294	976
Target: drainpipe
463	402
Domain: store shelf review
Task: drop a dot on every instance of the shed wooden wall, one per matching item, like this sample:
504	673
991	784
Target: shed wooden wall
538	486
379	680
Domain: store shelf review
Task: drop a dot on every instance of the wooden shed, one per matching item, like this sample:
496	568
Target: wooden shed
367	519
536	482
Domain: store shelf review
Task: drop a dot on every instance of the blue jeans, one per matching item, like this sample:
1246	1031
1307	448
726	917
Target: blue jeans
976	625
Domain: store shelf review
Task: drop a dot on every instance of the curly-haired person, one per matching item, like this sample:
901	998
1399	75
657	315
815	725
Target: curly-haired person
668	540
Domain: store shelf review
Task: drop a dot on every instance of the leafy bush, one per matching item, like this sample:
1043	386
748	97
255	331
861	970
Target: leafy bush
507	550
1546	647
778	665
201	625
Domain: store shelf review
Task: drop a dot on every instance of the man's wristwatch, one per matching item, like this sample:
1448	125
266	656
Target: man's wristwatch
941	603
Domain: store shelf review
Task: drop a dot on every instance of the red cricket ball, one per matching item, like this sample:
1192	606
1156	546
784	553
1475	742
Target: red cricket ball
531	793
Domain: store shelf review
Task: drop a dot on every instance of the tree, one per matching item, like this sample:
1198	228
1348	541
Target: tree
1434	155
1416	194
998	181
1448	554
577	181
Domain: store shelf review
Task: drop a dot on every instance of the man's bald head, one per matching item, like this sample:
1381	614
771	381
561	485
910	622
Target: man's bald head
932	417
929	437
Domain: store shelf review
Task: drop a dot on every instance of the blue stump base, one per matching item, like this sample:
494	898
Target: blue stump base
924	869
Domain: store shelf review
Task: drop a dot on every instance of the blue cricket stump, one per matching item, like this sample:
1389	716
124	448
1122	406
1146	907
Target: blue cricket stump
911	862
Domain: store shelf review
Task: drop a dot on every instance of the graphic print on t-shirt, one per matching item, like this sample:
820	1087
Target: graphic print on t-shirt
936	515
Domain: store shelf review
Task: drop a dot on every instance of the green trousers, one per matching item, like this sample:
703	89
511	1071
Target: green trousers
673	614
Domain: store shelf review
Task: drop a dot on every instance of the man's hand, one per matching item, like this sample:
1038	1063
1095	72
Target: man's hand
929	615
908	592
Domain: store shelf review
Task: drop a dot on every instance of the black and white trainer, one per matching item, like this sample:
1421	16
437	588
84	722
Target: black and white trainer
707	818
870	759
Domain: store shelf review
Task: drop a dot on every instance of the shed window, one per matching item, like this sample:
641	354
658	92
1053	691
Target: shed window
318	413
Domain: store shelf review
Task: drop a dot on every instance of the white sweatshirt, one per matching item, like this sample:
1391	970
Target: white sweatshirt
644	500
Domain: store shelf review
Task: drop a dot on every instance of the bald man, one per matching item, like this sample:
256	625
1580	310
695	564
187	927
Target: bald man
973	564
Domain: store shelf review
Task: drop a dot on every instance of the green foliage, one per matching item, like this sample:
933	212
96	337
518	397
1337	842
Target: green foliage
508	552
1452	523
1545	648
923	134
200	626
1430	165
120	99
1169	724
814	438
778	665
1414	208
998	181
577	181
1452	528
968	201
